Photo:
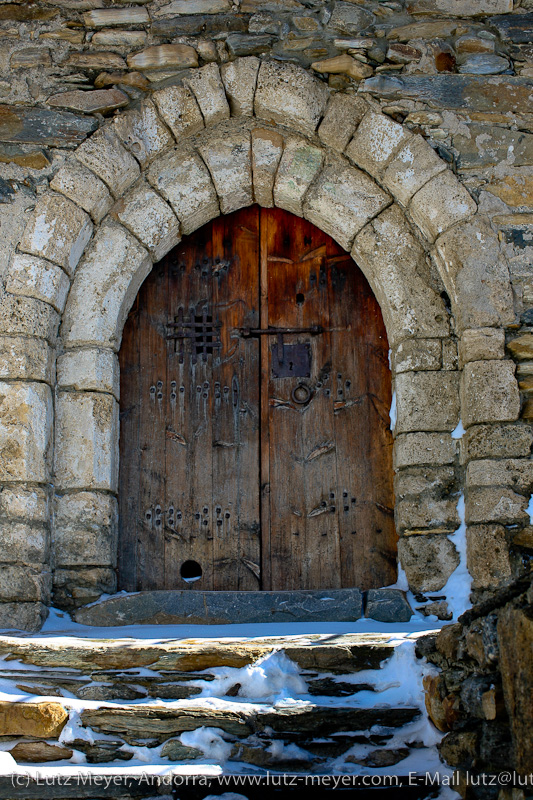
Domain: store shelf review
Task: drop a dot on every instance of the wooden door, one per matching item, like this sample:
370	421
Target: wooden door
252	458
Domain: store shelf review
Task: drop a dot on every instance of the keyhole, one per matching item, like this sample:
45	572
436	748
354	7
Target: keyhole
291	365
300	299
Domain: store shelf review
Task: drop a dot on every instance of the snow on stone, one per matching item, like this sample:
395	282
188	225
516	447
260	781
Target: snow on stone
529	510
392	412
270	678
459	584
209	741
458	432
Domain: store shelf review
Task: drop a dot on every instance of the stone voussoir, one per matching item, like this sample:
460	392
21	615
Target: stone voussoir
287	92
142	132
148	217
104	155
58	231
228	157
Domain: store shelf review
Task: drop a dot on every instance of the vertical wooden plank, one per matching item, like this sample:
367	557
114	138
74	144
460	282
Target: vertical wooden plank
303	480
236	554
361	384
189	432
264	373
129	452
152	477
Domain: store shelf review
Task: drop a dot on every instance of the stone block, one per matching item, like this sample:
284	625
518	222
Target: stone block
495	505
417	354
471	266
375	142
427	401
523	538
193	7
109	160
46	127
267	147
34	277
416	480
22	616
76	587
83	187
521	348
206	85
288	95
119	38
92	369
229	159
85	530
394	263
108	17
497	441
25	431
450	358
25	316
487	556
350	19
413	166
165	58
22	503
517	473
23	543
178	107
43	720
145	214
480	147
342	200
86	454
26	359
240	79
142	133
299	166
428	561
473	8
427	515
99	101
387	605
57	230
343	114
489	392
24	583
515	640
106	284
39	752
439	204
482	344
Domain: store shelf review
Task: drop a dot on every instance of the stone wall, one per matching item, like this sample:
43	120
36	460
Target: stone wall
482	697
400	128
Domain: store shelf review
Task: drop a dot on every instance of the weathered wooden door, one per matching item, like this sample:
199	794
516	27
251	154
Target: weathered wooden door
255	451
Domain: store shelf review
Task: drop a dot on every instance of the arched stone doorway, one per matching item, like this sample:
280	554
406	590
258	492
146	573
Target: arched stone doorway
255	448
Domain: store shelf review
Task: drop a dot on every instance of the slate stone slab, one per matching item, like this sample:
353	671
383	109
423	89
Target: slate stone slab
215	608
387	605
44	126
499	94
517	28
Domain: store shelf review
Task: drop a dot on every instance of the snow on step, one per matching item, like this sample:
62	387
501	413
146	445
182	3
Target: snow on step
310	703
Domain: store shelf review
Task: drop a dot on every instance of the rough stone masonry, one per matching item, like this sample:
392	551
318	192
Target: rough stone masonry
403	129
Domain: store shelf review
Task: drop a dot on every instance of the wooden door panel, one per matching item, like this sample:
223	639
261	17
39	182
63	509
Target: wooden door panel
225	465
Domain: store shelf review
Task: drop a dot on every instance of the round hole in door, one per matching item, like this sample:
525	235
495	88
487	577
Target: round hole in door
300	299
191	571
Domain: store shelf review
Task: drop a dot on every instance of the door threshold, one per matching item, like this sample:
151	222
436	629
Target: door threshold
195	607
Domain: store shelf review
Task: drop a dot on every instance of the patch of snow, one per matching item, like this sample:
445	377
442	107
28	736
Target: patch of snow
392	412
8	765
459	431
272	677
286	752
459	584
209	741
529	510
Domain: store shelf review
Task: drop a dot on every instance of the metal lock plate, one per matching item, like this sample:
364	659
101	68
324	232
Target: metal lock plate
296	361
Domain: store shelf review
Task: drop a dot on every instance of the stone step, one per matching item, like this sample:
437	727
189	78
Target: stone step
339	654
135	724
179	607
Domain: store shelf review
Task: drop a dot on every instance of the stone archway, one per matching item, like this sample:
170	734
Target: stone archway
268	132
